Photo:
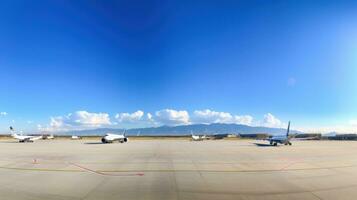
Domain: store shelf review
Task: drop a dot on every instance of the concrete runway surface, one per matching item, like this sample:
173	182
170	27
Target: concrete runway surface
178	169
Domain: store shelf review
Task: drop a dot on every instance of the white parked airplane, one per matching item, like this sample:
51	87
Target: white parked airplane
197	137
281	139
75	137
51	137
110	137
24	138
48	137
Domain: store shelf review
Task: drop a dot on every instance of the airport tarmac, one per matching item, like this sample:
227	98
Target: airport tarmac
178	169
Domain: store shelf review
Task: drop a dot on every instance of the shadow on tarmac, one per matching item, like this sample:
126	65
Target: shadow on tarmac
9	141
93	143
263	145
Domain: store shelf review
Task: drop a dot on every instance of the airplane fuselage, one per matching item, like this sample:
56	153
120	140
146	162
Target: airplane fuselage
109	138
198	137
25	138
279	140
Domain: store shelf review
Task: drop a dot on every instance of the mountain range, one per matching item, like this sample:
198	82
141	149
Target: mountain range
207	129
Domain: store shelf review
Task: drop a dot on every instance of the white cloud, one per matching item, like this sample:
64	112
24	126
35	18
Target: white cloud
130	117
328	129
172	117
150	119
149	116
208	116
3	113
349	126
353	122
271	121
244	119
80	119
291	81
56	122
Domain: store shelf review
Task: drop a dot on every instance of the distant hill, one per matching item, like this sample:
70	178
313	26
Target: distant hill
207	129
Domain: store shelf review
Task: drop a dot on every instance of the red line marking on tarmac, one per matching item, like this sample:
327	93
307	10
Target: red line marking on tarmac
105	174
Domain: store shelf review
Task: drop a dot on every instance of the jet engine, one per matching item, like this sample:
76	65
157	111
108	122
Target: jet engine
104	140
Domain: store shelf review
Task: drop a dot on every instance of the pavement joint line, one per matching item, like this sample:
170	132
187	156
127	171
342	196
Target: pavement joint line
291	164
103	172
313	192
315	195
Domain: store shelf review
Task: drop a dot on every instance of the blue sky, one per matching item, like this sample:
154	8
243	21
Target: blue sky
85	64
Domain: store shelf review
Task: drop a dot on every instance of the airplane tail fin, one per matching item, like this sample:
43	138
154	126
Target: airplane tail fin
124	132
288	130
12	130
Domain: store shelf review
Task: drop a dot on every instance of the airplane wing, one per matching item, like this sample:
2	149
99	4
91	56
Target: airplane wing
307	138
35	138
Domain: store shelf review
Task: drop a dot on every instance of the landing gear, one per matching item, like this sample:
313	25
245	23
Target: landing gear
289	143
272	143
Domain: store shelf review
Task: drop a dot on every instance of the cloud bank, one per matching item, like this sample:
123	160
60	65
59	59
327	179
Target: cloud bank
172	117
130	117
208	116
81	120
271	121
